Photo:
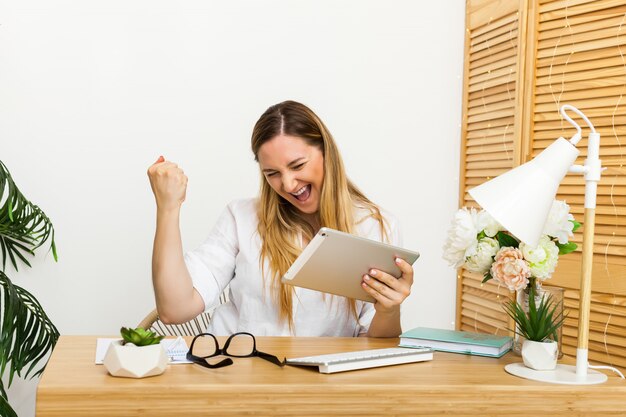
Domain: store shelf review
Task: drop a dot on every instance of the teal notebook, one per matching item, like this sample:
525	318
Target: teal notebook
455	341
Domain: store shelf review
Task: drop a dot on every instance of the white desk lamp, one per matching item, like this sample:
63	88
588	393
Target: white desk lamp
520	201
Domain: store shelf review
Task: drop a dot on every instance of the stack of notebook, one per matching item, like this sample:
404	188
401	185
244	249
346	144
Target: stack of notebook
457	341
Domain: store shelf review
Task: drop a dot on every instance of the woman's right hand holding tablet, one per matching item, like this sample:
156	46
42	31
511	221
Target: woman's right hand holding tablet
169	184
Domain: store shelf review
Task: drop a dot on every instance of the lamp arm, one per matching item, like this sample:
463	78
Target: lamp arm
592	170
576	138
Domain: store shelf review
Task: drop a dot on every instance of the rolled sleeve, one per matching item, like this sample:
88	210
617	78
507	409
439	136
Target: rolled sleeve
365	317
212	264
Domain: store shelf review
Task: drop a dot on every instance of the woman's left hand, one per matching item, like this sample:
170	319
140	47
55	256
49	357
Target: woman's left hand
389	291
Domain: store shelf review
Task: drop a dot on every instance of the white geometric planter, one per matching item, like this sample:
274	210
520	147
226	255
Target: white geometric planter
135	361
540	356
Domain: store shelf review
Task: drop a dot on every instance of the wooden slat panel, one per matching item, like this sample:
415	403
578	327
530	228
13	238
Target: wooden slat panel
490	124
607	339
590	24
568	10
607	115
502	59
577	20
570	67
502	80
484	299
489	113
495	75
607	278
475	281
596	353
505	107
583	85
558	5
580	56
492	37
501	99
500	148
568	49
613	179
601	303
499	114
604	200
496	157
486	164
547	121
491	136
506	34
501	47
469	324
576	56
488	92
589	74
597	336
470	308
618	92
608	34
489	14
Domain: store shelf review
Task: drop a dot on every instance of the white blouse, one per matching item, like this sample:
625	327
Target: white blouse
230	256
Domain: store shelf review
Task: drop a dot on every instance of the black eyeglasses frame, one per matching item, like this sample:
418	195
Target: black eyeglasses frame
202	360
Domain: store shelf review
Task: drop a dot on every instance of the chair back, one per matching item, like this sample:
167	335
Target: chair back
197	325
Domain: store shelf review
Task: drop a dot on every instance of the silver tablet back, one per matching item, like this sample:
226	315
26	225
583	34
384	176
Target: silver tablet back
335	262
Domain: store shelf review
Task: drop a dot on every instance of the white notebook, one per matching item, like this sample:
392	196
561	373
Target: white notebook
371	358
176	349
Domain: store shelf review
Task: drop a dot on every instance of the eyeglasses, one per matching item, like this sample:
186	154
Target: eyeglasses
238	345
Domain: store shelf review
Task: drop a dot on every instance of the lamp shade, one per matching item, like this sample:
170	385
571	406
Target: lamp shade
520	199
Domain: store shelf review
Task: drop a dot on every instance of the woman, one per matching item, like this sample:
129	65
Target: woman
303	187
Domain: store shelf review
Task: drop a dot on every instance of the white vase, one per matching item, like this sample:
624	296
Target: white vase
540	356
135	361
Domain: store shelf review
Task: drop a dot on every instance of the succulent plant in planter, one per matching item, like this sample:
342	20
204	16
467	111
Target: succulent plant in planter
539	326
26	332
138	355
140	337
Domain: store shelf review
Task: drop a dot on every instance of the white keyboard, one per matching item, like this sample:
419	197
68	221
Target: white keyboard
348	361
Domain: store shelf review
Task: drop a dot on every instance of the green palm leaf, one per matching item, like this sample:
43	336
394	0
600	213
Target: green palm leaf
23	226
5	408
26	332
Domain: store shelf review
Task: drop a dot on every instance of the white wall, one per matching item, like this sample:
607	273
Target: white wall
92	92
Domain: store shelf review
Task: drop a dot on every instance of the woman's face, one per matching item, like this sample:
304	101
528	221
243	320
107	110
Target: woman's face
294	169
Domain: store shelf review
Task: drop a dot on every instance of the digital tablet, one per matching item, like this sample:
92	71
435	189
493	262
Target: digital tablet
335	262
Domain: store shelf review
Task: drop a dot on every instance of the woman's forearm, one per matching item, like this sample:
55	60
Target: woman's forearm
385	324
177	301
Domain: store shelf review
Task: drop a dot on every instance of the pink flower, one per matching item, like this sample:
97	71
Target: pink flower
510	268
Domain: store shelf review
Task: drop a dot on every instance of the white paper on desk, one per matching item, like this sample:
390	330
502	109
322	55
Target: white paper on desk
176	353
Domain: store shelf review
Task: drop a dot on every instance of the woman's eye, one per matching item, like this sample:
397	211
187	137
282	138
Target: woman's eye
298	167
270	174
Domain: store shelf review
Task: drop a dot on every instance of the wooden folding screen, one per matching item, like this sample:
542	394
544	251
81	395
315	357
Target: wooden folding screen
491	130
574	53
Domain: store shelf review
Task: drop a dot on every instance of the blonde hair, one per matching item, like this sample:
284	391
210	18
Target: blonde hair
280	223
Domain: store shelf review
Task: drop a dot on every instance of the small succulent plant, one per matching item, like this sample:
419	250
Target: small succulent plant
139	336
541	322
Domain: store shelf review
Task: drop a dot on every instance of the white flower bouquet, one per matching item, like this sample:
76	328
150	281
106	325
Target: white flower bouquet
479	244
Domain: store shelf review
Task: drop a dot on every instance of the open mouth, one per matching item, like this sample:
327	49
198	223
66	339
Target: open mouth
303	193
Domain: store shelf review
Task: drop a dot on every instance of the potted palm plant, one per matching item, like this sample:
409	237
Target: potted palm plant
539	326
26	332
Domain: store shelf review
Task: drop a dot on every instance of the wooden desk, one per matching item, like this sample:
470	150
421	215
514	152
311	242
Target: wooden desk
450	384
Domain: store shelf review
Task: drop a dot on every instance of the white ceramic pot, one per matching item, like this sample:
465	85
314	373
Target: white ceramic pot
135	361
540	356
